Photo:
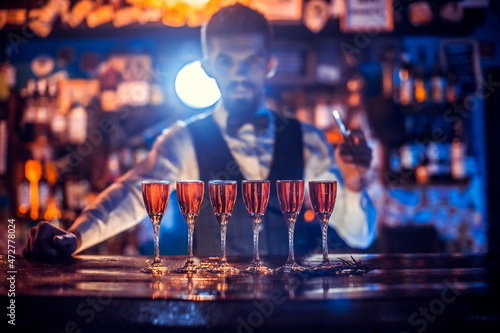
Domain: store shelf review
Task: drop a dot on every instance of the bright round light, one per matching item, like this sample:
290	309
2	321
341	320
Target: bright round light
195	88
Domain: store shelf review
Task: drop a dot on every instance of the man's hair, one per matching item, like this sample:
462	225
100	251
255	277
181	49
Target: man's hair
235	20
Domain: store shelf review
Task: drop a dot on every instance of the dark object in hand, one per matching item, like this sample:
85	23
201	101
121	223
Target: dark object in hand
355	150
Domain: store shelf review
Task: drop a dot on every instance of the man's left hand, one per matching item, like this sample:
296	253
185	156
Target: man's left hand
354	159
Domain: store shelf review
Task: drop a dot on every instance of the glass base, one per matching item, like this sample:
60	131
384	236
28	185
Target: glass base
156	270
258	269
188	268
323	266
290	268
224	268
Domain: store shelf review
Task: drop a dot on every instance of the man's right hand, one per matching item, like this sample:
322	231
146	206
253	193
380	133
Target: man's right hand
48	242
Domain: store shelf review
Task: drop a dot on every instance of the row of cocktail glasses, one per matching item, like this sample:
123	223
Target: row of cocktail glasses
222	197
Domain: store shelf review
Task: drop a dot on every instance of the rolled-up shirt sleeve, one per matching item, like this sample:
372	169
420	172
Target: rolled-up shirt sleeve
354	215
121	205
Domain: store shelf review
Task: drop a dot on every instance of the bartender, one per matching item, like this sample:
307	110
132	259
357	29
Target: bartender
239	138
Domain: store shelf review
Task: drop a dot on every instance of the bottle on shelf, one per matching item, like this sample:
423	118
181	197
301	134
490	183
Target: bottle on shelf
457	152
438	161
29	113
4	135
406	79
41	111
23	196
420	79
113	167
388	69
7	99
53	212
33	172
57	122
438	83
77	124
43	189
75	192
451	88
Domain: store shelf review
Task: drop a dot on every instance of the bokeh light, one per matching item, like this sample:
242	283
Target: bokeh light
195	88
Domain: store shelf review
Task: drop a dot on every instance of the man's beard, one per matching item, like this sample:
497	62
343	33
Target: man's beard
241	110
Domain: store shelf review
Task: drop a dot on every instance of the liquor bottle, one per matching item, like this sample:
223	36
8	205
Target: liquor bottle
388	73
33	171
77	124
113	167
43	189
52	213
41	110
411	154
23	196
75	192
420	88
8	103
323	118
4	97
29	113
70	201
438	161
457	152
451	88
79	12
3	142
101	15
406	81
437	83
51	107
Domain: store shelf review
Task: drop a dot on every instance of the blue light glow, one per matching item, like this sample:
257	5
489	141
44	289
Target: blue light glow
195	88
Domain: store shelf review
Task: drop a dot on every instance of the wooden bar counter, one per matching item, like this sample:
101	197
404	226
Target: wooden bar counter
402	293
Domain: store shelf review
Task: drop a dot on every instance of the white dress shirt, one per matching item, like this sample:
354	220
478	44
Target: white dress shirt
173	158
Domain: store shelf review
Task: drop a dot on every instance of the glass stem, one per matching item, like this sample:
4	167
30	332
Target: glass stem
156	229
223	229
291	227
324	230
190	226
256	226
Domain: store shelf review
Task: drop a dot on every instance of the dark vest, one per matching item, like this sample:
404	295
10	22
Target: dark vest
216	162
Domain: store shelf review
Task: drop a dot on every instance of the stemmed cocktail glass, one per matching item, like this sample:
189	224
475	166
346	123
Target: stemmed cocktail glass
323	195
223	196
190	196
155	195
256	197
290	196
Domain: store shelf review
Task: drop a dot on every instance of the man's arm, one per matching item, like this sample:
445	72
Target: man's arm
353	217
120	206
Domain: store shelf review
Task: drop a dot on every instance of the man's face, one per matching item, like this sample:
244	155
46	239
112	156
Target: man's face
239	65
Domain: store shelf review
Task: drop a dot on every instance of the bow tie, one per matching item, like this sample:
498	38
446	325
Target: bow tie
260	124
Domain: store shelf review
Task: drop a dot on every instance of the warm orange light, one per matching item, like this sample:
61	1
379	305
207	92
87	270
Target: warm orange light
420	93
52	212
23	209
309	215
334	136
175	15
51	173
353	85
422	174
33	171
354	99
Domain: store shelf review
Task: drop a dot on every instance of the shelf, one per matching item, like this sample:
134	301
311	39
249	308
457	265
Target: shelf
411	183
